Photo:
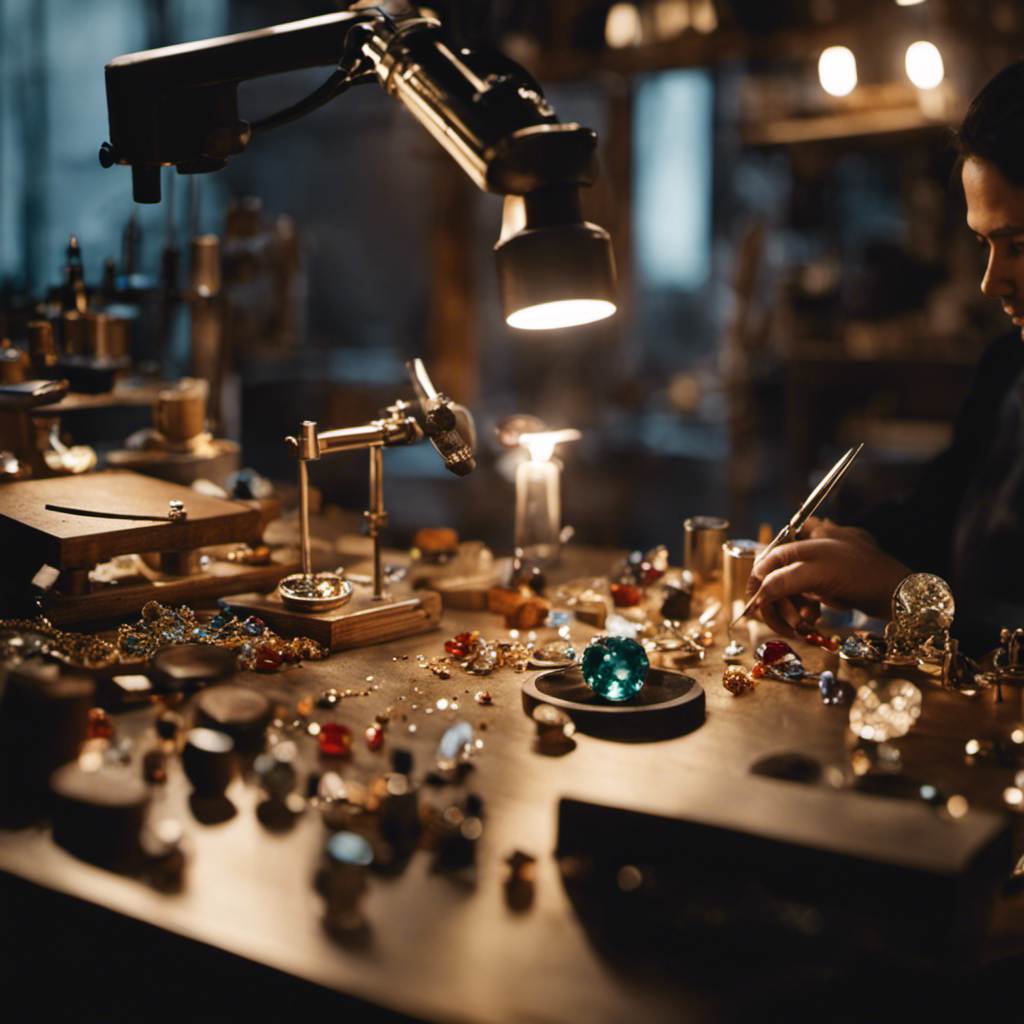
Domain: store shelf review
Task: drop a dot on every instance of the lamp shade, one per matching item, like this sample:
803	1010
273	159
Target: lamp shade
554	268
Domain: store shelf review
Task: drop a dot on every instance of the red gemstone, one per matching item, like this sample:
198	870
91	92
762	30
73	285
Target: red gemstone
772	651
650	574
100	726
464	638
455	649
625	595
831	644
267	659
374	737
335	740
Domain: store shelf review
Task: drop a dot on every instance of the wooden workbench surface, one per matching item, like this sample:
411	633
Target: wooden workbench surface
447	948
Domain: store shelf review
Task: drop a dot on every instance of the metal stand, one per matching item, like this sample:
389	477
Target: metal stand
309	591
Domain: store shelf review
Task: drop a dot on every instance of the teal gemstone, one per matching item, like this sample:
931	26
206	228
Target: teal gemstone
615	667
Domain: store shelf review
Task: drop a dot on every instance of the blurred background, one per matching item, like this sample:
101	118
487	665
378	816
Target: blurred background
795	274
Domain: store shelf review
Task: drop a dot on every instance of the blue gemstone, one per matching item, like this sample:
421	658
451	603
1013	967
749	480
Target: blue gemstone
831	688
615	667
457	740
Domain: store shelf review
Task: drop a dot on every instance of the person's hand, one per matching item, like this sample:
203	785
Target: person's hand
837	566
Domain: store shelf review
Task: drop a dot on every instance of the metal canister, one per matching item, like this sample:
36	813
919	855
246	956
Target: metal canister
738	557
703	537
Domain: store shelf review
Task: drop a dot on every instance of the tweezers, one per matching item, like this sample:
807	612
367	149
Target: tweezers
792	529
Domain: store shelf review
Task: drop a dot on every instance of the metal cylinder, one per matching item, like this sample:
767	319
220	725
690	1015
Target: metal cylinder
703	537
738	557
180	413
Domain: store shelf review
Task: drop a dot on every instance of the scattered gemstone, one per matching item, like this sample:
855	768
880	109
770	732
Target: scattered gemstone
268	660
328	698
374	737
335	740
772	651
482	697
626	595
831	689
100	726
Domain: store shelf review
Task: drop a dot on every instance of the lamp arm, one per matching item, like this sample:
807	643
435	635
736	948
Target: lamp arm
178	105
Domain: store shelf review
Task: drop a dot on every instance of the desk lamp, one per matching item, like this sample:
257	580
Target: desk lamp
178	105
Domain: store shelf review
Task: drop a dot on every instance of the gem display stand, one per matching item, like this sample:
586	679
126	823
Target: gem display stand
669	704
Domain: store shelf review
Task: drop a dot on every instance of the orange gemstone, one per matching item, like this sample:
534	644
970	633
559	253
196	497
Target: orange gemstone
100	726
757	671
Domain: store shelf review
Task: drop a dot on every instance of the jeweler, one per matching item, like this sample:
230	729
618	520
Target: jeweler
964	520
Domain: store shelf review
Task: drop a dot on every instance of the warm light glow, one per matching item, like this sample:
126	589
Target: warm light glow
837	70
957	806
1017	735
671	18
924	65
704	16
566	313
622	26
1013	796
908	3
541	443
972	747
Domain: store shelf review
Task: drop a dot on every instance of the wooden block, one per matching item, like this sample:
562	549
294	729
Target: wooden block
503	601
360	623
40	536
530	614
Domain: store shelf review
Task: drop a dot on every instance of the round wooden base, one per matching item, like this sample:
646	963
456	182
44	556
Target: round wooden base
670	704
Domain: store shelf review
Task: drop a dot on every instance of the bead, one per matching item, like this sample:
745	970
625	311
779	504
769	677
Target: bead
328	698
374	737
615	667
335	740
100	726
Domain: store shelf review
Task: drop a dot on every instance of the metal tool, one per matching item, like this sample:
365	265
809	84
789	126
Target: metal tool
791	530
176	513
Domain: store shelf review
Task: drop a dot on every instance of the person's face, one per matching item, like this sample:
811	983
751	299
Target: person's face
995	213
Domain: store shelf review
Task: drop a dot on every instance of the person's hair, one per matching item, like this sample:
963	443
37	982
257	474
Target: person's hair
993	127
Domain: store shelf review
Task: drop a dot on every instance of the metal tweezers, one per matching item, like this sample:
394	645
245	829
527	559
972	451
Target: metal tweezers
791	531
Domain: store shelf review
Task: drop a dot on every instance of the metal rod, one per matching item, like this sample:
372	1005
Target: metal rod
376	517
307	557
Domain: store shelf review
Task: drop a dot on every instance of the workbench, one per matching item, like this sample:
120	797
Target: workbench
450	947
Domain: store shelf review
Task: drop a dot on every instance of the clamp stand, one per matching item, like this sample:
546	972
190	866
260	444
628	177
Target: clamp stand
324	605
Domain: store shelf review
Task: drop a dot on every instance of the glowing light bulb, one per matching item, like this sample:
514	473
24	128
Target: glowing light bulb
567	313
622	26
837	70
908	3
924	65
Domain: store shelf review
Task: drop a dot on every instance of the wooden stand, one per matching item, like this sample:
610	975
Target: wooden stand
359	623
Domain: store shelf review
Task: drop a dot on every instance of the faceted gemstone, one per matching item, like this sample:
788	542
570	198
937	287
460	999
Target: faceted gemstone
455	649
267	659
482	697
615	667
335	740
831	689
100	726
757	671
374	736
772	651
626	595
254	626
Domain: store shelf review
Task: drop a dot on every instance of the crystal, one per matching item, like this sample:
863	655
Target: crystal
374	736
557	652
831	689
335	740
733	649
885	711
922	612
615	667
